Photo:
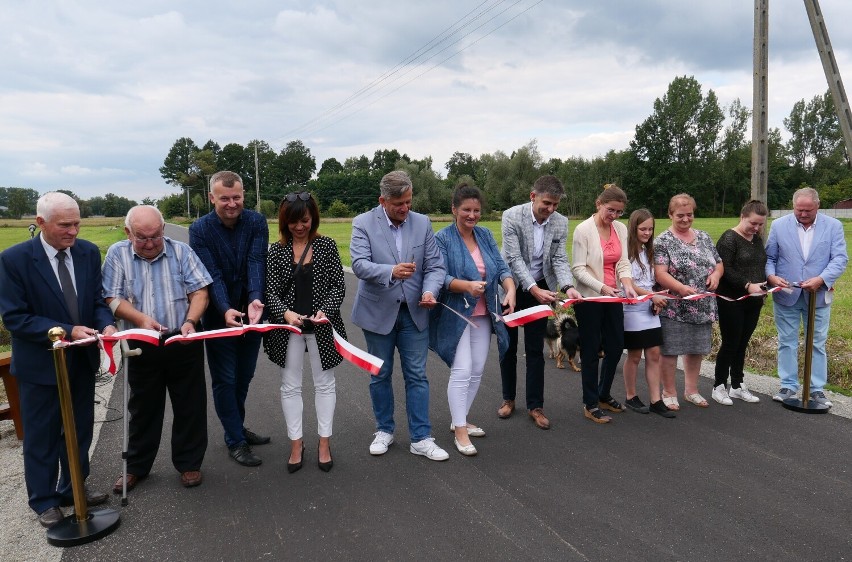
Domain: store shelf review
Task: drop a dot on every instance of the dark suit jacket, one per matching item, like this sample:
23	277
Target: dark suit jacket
31	303
236	260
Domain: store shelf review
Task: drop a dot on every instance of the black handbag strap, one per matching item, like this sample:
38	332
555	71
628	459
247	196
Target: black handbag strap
298	268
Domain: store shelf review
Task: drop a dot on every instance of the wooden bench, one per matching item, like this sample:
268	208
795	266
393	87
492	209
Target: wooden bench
12	410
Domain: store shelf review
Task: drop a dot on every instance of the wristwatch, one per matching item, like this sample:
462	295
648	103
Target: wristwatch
191	321
567	288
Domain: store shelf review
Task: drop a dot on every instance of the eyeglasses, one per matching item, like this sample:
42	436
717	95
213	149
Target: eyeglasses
152	239
304	196
613	212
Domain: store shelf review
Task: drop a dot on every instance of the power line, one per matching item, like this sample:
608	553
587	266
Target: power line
396	68
348	107
439	63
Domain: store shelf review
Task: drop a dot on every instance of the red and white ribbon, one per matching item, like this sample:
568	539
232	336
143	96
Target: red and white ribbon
354	355
231	332
527	315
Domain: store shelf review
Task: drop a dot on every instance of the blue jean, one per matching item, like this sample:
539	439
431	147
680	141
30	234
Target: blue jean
232	362
787	321
413	348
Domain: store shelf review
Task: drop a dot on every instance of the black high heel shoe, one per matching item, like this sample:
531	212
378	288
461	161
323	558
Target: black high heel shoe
293	467
325	466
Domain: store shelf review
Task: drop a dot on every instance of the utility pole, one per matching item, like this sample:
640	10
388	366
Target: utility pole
256	180
760	103
832	73
186	151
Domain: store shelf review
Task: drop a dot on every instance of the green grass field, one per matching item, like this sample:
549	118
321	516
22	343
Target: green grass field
761	358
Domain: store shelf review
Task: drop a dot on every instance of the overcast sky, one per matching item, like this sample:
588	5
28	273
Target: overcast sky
93	94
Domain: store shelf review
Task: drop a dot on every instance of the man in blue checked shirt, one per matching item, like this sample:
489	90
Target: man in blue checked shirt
156	283
232	242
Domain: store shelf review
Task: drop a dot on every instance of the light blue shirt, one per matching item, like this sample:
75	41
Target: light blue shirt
159	287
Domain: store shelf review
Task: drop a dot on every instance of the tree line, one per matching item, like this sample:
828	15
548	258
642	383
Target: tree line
689	143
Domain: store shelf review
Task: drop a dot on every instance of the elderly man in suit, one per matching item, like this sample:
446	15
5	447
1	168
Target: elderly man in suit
534	239
806	252
52	280
400	271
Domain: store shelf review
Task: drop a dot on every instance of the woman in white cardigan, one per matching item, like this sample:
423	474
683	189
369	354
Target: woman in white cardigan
600	264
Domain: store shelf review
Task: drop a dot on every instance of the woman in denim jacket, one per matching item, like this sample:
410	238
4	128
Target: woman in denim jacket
475	273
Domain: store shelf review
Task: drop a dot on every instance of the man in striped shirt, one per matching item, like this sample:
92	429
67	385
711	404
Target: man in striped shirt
156	283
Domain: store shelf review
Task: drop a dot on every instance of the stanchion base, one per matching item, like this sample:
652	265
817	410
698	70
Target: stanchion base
70	532
809	407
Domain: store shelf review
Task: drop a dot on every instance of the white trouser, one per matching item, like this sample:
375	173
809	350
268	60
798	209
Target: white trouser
466	372
291	387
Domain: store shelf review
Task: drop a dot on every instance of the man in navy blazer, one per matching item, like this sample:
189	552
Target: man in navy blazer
400	271
806	252
31	303
232	243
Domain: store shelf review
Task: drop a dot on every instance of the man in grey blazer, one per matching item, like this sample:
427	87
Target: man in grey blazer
534	240
400	271
806	252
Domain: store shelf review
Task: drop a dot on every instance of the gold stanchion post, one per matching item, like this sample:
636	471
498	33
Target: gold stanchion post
805	405
85	526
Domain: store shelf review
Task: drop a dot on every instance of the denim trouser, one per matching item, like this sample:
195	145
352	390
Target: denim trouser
413	348
787	321
232	362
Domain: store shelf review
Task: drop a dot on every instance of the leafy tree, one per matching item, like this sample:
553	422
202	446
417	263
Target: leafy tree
266	169
461	164
179	162
294	167
172	205
213	147
180	167
18	203
268	208
199	204
149	201
355	163
735	160
116	206
233	157
338	209
674	146
330	166
384	161
816	145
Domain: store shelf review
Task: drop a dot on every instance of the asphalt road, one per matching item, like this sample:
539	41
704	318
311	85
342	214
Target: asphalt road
742	482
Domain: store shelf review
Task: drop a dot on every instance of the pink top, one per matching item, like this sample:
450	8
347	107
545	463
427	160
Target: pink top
611	254
480	309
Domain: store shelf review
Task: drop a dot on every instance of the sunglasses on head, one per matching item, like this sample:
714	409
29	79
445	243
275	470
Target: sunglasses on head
304	196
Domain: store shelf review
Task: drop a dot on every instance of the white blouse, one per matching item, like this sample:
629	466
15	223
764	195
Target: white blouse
638	317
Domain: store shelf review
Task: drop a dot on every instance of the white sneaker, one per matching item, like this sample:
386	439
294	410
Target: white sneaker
720	395
429	449
743	394
380	443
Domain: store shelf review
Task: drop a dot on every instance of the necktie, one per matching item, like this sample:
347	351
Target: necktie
68	288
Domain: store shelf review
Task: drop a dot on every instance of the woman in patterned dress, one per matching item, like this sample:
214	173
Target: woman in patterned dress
304	284
686	263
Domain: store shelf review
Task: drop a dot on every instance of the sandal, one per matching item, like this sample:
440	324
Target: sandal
596	415
671	402
611	404
696	399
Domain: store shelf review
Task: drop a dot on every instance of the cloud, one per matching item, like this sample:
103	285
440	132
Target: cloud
94	94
